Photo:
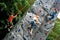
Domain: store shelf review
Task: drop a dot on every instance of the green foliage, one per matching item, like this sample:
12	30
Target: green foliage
55	33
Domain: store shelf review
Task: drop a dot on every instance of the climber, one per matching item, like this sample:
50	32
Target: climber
52	15
32	24
10	19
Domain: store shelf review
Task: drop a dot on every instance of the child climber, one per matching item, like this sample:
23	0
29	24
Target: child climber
10	19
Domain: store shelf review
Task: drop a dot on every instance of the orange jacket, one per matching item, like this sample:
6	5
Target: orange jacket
10	19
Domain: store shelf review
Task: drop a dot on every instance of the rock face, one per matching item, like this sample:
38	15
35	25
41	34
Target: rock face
58	15
43	17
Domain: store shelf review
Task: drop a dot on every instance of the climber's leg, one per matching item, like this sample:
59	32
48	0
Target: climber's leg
31	31
11	25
